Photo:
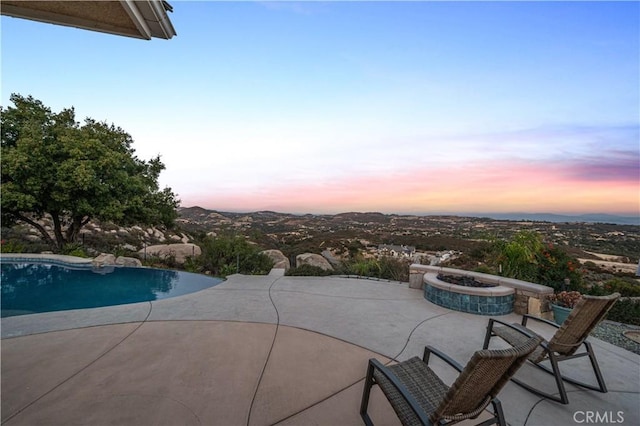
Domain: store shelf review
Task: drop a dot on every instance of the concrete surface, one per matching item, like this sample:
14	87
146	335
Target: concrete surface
265	350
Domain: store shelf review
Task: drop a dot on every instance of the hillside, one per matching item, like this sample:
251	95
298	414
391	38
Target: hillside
295	234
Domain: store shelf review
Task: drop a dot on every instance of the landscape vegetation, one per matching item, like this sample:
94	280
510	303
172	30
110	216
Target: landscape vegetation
80	189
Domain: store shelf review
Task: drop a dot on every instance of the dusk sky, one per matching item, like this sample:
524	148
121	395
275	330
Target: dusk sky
397	107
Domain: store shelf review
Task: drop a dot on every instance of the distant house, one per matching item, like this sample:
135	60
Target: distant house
396	251
143	19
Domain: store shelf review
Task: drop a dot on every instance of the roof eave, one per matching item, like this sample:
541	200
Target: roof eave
148	16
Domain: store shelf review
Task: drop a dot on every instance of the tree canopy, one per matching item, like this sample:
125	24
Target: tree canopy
53	165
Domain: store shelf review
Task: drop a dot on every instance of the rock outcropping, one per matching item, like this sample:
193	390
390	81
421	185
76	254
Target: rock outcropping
313	260
179	251
103	259
107	259
128	261
280	261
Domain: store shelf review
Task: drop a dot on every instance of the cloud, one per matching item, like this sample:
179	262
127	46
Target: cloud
615	166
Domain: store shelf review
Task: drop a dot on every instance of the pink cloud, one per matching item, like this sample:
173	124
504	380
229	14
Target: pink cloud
613	167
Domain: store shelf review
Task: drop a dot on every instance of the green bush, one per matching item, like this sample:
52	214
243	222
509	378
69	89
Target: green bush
626	311
11	247
308	271
526	257
517	258
163	262
627	287
484	269
554	266
384	267
230	254
191	265
364	268
73	249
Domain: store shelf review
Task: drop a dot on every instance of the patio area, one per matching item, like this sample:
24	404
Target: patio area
266	350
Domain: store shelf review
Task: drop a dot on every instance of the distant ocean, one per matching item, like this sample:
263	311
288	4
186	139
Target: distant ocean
550	217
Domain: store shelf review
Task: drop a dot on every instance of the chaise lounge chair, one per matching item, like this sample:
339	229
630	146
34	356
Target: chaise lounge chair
420	397
568	337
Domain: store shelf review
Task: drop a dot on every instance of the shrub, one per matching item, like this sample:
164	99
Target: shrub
163	262
525	257
73	249
394	269
226	255
517	257
554	266
363	267
484	269
11	247
627	287
384	267
626	311
308	271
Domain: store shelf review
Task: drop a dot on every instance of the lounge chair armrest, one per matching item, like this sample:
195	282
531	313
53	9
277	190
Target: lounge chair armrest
428	350
521	328
526	317
377	365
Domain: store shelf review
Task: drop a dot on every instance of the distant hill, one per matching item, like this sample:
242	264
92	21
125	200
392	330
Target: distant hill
558	218
375	217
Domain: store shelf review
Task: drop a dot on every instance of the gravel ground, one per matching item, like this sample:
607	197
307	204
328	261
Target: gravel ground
611	332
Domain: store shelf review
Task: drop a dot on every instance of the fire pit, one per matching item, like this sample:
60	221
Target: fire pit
468	294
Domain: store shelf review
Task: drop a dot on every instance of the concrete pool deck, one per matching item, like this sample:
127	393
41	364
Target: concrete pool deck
264	350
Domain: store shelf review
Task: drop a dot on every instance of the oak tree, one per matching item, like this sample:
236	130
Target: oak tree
53	165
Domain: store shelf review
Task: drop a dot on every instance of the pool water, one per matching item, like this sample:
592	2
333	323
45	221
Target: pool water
29	288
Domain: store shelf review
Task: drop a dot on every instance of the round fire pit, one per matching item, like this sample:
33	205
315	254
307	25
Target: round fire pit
471	295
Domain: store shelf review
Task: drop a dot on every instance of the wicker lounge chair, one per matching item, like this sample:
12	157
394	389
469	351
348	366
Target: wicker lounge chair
567	339
419	397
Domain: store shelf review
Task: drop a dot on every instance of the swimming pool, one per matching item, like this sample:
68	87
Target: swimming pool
29	288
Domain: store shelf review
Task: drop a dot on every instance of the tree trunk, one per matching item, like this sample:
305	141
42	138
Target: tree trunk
74	229
57	231
40	228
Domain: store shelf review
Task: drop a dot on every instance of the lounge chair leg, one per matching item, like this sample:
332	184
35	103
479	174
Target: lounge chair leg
487	336
558	376
368	383
538	392
498	413
596	369
602	387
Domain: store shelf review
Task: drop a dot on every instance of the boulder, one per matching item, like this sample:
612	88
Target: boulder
331	258
128	261
103	259
280	261
179	251
313	260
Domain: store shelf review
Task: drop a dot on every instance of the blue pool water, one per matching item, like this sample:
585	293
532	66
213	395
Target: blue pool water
29	288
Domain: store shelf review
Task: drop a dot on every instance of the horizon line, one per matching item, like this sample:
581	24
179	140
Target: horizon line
491	215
